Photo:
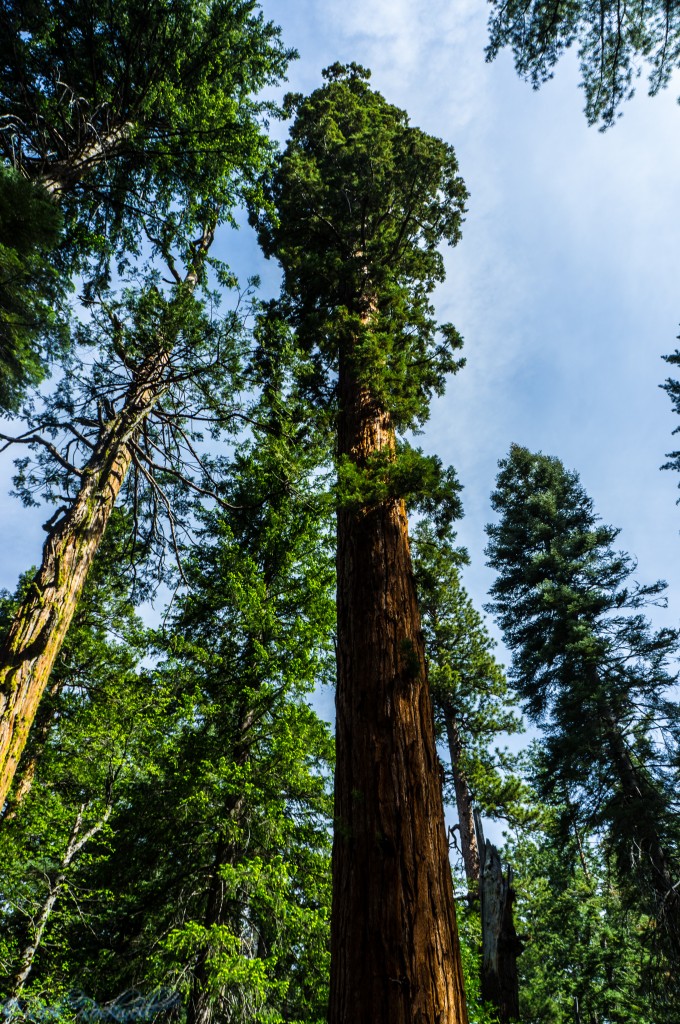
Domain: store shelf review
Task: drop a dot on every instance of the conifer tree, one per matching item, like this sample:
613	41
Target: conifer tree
364	201
614	42
146	334
119	115
594	676
211	883
31	286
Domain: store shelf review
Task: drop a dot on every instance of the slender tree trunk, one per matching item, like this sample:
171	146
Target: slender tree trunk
464	803
394	944
75	844
43	618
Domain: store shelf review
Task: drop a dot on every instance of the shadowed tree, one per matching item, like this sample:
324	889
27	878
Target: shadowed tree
364	202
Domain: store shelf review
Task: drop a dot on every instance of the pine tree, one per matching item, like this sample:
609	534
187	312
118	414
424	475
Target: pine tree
585	956
364	201
593	674
119	116
211	884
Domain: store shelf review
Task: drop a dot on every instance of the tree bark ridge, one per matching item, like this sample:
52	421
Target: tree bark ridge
391	870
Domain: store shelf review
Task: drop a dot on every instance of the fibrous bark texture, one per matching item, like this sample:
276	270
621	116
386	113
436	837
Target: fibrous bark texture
394	942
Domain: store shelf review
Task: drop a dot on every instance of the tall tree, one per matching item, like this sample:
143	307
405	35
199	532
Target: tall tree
364	201
593	674
614	41
140	330
213	880
585	959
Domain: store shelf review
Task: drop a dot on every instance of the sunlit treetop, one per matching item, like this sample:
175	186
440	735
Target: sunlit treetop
364	203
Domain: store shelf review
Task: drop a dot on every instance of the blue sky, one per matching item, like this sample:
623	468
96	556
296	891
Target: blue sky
564	285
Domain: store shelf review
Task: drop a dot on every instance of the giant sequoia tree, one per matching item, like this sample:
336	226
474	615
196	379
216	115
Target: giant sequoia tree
594	674
364	201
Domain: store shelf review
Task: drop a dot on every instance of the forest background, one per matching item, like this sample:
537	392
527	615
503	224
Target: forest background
563	286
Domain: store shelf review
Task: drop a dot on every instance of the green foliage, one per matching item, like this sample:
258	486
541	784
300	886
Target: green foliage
136	108
407	473
90	739
217	777
585	956
672	389
470	935
32	286
363	201
592	672
613	41
141	121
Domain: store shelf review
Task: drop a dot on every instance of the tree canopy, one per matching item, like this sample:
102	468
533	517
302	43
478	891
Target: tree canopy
614	42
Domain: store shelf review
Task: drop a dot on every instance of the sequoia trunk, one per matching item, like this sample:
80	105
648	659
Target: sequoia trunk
394	944
43	618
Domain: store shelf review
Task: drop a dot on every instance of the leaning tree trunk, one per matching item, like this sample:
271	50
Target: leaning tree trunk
395	956
28	765
41	622
43	617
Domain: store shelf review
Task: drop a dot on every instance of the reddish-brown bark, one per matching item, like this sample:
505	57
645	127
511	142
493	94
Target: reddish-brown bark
394	943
